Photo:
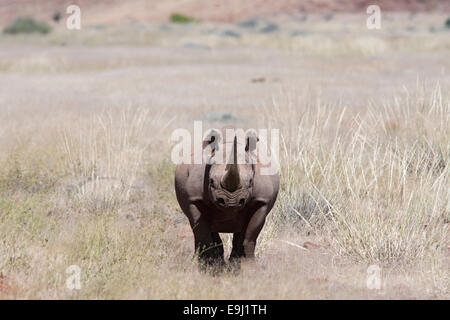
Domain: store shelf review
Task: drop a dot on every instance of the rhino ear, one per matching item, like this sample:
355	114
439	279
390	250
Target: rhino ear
212	138
251	140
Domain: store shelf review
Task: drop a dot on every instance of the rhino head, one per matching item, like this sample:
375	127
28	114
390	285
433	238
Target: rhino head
230	184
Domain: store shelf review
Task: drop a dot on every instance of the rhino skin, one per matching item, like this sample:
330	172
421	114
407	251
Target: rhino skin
226	198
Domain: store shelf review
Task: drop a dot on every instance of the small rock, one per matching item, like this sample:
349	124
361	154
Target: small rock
271	27
220	116
194	45
164	27
328	16
251	23
231	33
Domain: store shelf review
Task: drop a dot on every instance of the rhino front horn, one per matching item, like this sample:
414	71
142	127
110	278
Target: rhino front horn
231	180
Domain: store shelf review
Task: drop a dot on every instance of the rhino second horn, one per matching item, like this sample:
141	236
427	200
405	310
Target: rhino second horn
231	180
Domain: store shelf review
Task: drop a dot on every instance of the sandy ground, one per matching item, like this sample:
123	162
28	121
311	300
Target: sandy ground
214	80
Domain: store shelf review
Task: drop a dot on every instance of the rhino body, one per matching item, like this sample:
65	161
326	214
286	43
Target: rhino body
226	198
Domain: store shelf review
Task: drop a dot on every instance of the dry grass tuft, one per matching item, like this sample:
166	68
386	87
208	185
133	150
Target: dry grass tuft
375	195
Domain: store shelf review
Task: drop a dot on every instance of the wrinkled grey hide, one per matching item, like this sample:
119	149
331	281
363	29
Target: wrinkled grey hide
226	198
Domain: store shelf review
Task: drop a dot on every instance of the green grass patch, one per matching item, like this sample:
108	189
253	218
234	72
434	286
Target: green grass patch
27	217
27	25
181	18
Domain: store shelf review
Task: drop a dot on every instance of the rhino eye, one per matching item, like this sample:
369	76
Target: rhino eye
211	182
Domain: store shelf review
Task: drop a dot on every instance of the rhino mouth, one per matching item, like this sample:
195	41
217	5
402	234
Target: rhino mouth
226	199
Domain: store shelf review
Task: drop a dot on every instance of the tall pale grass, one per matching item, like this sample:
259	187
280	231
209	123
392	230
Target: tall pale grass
374	185
105	155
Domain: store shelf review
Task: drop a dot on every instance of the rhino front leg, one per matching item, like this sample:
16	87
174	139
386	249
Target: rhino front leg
237	252
254	227
238	246
208	245
244	242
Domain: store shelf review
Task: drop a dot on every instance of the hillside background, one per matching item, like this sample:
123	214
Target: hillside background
132	11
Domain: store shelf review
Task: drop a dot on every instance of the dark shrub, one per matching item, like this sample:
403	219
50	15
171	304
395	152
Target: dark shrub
56	17
447	23
27	25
